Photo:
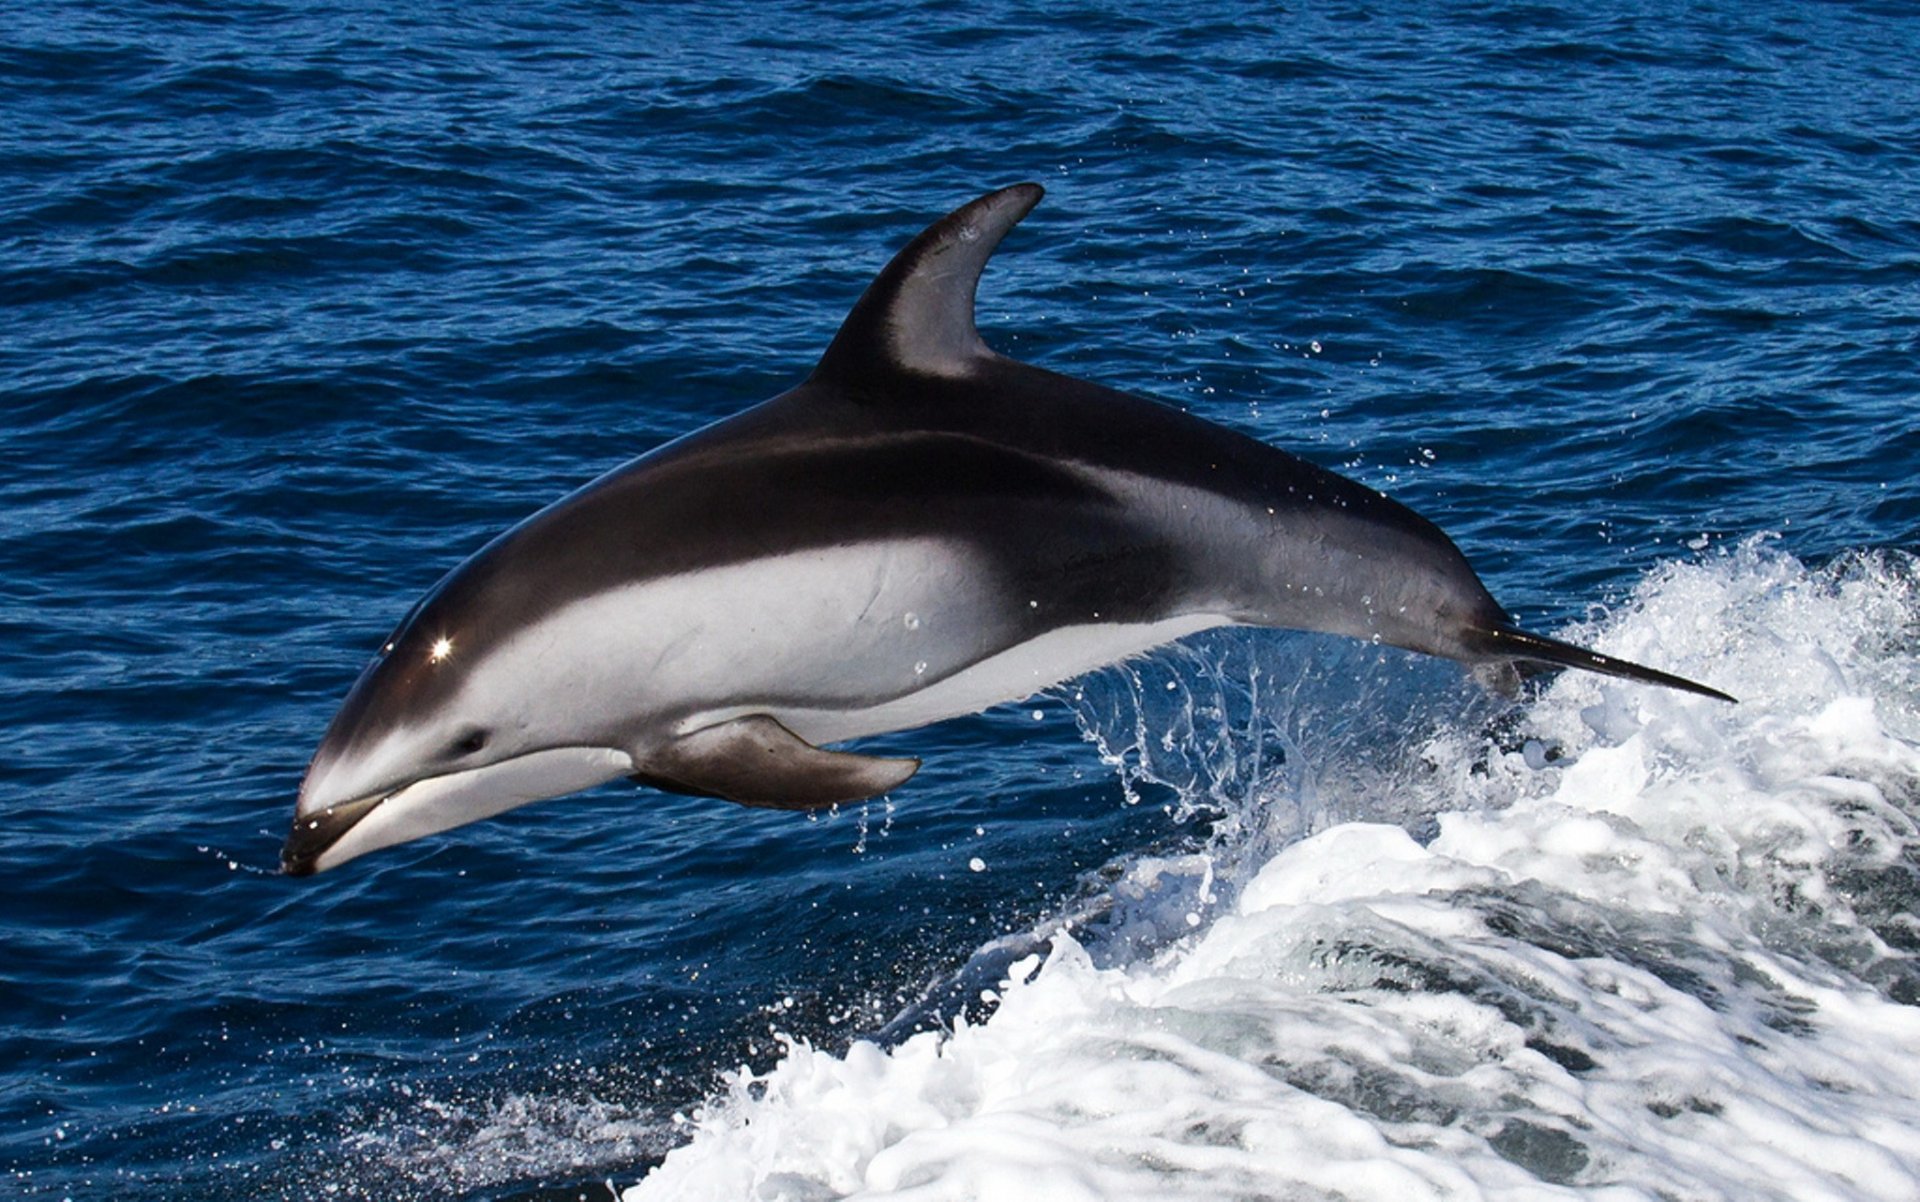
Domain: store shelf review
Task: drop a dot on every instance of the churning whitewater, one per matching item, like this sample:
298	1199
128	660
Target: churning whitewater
1643	949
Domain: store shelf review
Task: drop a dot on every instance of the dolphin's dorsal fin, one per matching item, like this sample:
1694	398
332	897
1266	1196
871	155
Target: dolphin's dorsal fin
917	315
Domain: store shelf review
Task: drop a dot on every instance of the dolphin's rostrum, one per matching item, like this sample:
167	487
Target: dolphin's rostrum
921	529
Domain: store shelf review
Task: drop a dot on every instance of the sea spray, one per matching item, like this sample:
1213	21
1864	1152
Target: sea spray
1644	946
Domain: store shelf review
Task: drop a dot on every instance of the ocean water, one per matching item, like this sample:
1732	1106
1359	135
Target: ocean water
301	303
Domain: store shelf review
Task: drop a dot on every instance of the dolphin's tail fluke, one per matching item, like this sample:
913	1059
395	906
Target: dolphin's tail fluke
1506	644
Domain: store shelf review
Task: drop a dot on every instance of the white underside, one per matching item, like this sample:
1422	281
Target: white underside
1019	671
887	635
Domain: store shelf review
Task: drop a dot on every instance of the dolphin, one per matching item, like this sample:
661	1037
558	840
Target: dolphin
922	528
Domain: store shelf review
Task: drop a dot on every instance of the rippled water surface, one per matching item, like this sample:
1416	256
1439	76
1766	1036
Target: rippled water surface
302	303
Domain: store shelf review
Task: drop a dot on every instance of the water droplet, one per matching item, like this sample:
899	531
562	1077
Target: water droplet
977	864
912	621
920	669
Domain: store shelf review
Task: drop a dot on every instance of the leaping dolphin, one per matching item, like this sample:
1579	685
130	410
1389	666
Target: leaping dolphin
921	529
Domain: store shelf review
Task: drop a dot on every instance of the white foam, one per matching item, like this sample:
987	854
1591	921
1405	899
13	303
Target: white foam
1652	948
425	1143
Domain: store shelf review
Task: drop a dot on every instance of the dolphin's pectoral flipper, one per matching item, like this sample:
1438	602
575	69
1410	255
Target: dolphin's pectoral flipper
758	762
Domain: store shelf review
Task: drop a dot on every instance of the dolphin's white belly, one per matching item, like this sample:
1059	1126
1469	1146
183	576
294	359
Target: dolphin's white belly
1019	671
834	642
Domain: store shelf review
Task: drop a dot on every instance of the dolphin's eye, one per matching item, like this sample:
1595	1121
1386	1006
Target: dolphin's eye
469	743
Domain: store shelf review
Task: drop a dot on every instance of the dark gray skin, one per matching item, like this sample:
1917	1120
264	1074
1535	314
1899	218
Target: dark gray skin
1066	506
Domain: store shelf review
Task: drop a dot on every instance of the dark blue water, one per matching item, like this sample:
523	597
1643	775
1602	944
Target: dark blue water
299	304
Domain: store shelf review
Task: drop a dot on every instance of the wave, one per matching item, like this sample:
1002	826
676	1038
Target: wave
1608	939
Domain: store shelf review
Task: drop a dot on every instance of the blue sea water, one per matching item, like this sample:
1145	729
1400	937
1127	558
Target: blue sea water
301	303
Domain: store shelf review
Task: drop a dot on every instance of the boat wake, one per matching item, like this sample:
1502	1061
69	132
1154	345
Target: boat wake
1609	939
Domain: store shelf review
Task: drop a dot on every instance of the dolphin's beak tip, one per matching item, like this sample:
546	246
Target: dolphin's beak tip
314	834
298	857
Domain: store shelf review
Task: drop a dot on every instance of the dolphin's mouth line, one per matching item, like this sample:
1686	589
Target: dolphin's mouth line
312	835
426	805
